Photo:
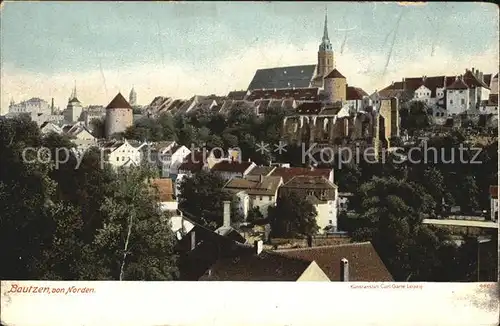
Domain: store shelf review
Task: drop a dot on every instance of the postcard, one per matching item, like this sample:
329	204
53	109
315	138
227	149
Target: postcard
249	163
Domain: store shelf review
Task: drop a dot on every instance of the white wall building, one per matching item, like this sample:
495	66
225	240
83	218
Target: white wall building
255	191
121	153
322	193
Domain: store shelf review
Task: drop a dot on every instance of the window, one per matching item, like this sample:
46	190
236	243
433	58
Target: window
461	92
451	101
463	101
123	158
117	159
261	197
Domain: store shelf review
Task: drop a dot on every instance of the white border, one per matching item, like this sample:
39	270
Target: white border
253	303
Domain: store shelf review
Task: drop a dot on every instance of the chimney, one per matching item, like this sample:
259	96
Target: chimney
481	76
227	213
193	240
472	69
258	245
344	270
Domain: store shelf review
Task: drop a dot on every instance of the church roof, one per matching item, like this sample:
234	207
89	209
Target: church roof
119	102
335	74
74	100
283	77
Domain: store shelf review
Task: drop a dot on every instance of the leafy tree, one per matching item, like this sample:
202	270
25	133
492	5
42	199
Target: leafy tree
202	196
98	128
230	140
254	214
135	242
167	123
293	216
188	136
392	211
415	116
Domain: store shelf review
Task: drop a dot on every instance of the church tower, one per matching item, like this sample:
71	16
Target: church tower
326	61
132	98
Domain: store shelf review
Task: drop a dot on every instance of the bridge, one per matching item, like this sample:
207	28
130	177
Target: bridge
463	223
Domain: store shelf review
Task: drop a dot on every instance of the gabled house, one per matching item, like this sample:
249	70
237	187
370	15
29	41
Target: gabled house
255	191
167	156
165	188
363	262
121	154
48	127
322	193
232	169
262	265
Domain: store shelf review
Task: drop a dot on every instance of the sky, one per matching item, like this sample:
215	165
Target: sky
181	49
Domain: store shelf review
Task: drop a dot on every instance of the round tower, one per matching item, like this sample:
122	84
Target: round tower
119	116
335	87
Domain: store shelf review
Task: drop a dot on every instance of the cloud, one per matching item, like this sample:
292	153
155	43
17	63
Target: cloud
234	72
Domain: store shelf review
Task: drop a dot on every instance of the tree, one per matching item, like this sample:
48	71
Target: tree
202	196
415	116
136	235
70	220
254	214
293	216
391	212
98	128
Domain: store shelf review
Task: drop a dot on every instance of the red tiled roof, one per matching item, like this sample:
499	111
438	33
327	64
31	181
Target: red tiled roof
231	166
119	102
267	266
365	264
165	189
355	93
458	84
472	81
310	94
288	173
334	74
494	191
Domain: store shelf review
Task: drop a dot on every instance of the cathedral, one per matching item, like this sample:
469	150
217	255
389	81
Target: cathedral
332	113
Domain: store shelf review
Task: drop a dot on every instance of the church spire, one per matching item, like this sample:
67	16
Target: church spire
325	45
325	31
74	91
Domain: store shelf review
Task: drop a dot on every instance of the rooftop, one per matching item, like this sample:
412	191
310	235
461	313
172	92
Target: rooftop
231	166
267	266
165	189
119	102
255	185
365	264
289	173
283	77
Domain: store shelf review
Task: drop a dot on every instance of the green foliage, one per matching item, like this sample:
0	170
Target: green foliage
67	222
202	196
415	116
254	214
293	216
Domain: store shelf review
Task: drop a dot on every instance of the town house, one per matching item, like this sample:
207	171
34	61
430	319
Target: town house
320	192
